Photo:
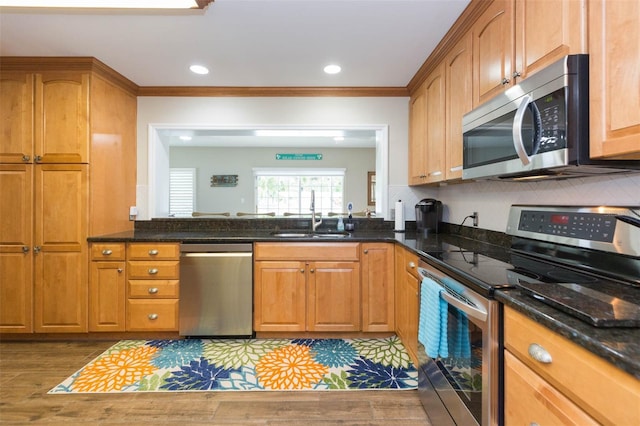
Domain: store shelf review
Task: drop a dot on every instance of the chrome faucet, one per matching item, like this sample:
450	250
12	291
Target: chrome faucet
314	224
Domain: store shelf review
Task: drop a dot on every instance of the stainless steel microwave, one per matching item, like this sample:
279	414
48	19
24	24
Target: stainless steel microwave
536	129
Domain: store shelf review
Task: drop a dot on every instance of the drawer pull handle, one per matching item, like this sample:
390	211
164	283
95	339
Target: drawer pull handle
153	271
539	353
107	252
153	252
153	290
152	316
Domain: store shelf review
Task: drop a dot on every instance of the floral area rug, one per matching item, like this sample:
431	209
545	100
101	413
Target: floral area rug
246	365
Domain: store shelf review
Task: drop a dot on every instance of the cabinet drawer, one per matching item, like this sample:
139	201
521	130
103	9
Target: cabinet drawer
576	372
107	251
530	400
153	270
411	263
158	315
153	289
153	251
307	251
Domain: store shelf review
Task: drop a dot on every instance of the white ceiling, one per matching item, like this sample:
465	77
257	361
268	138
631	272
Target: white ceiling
259	43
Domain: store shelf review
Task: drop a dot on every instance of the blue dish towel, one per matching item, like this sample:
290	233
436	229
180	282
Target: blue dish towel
459	343
432	327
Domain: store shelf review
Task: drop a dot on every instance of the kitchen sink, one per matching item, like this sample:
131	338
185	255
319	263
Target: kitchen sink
317	234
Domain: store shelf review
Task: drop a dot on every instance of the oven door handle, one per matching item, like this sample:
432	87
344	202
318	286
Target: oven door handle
471	311
518	119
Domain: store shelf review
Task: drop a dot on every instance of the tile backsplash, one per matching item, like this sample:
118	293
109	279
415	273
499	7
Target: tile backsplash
492	199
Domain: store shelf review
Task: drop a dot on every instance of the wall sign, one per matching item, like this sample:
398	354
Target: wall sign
298	156
224	180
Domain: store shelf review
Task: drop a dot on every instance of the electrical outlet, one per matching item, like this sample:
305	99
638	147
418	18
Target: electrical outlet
475	219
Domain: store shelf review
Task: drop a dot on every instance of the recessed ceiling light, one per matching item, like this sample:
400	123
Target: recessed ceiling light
199	69
110	4
332	69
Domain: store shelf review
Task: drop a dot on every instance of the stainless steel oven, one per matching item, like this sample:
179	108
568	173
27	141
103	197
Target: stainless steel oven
462	387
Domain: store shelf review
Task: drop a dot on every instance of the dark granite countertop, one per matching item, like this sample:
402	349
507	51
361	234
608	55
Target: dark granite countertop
620	346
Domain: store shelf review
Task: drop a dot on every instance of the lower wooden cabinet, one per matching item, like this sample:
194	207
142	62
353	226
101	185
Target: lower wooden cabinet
107	287
569	384
312	292
378	290
407	302
153	274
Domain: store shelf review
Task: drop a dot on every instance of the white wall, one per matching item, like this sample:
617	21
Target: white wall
490	199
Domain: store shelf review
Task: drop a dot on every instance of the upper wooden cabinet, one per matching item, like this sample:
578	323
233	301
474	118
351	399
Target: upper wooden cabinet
513	39
614	62
417	137
16	125
458	79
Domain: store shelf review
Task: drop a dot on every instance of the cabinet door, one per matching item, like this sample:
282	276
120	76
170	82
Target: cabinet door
435	124
16	123
493	49
459	76
279	296
16	242
412	305
61	260
546	31
333	296
530	400
378	310
614	61
400	277
107	296
417	138
62	117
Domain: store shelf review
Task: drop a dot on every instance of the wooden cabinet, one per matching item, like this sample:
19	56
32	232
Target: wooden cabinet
513	39
16	248
107	287
458	91
153	276
306	287
427	133
417	137
378	290
544	369
614	62
407	300
60	248
60	134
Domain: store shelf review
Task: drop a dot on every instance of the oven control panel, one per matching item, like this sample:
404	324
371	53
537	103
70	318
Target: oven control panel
585	226
612	229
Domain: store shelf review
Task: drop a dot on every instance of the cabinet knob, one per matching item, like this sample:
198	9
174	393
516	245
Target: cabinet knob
412	265
152	316
120	270
153	252
25	249
153	290
365	251
312	270
539	353
26	158
37	158
505	81
516	74
302	270
37	249
107	252
153	271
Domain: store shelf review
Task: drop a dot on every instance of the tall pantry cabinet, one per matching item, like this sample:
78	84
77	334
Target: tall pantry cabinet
67	171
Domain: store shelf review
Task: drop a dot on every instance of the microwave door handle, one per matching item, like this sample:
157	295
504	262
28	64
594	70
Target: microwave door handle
471	311
518	144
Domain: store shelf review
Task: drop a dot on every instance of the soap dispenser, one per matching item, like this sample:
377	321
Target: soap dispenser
340	224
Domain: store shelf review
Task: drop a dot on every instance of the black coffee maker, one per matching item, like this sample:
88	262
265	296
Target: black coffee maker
428	216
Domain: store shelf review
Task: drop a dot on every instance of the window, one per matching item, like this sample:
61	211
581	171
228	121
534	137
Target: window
182	184
289	190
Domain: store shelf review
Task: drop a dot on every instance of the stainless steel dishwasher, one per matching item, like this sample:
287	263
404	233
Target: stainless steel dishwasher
216	290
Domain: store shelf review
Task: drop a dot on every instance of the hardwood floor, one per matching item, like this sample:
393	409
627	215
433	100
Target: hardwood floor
28	370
